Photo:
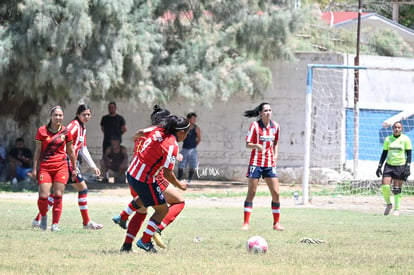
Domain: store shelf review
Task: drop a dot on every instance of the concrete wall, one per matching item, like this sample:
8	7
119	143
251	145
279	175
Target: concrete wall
222	153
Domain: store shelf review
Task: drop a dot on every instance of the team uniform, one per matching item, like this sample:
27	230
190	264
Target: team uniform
158	151
396	156
53	161
262	163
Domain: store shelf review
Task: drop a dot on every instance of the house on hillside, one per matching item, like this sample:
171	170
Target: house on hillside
349	20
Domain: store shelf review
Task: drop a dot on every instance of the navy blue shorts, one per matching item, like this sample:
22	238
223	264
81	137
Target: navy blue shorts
256	172
149	193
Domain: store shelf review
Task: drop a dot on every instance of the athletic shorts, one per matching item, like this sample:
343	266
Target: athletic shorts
59	173
395	172
162	182
256	172
149	193
190	157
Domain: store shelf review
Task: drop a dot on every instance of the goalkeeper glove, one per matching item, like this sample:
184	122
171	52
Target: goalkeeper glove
379	172
407	171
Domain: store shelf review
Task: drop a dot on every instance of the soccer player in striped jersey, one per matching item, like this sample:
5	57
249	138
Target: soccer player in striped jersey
397	157
262	138
53	145
158	152
77	128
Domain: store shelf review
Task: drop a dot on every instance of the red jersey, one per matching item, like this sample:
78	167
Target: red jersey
267	137
53	145
78	131
159	150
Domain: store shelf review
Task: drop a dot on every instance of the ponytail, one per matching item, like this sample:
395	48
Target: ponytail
255	112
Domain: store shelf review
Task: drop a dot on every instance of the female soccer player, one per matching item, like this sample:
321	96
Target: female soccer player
53	142
77	128
397	152
262	138
173	197
158	151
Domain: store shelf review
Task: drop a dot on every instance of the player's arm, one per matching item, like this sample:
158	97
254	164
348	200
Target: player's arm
72	157
275	150
84	152
36	158
170	176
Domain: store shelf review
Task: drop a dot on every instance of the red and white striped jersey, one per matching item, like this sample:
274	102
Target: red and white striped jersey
158	151
78	132
267	137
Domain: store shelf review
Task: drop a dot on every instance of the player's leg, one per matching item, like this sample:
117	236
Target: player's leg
36	220
386	191
133	228
122	218
45	185
58	191
254	173
396	190
273	183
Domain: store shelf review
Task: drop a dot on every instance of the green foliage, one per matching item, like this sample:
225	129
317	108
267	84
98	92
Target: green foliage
148	51
388	43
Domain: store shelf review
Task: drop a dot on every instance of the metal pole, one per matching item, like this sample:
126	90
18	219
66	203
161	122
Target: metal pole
356	95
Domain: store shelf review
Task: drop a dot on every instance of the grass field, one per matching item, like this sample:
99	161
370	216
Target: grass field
356	242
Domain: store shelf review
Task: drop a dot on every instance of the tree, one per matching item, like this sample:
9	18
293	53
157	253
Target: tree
151	51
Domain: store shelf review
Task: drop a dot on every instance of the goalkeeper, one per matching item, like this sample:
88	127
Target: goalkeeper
397	153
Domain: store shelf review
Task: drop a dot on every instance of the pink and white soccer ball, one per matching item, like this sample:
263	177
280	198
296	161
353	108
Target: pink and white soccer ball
256	244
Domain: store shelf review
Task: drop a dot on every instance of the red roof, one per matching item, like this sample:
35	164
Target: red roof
336	17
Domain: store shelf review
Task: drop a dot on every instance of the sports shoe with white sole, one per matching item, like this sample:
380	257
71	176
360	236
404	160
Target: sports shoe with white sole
43	223
93	226
387	209
55	227
117	219
245	227
148	247
158	240
396	212
35	223
278	227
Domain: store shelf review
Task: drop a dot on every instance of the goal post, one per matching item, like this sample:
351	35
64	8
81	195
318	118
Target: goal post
343	136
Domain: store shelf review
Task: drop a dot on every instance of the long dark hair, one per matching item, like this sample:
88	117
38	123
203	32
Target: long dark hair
158	115
172	124
82	108
255	112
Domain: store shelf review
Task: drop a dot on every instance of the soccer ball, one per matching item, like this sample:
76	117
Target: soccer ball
256	244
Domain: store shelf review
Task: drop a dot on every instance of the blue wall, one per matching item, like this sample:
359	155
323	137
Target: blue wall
371	133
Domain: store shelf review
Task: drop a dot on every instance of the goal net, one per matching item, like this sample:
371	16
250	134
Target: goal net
344	136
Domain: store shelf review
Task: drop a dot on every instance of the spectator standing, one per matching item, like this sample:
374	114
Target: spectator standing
189	149
112	124
20	161
2	162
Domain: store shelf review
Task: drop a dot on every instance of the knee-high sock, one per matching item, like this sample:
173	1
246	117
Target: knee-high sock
149	231
133	226
397	201
57	209
50	201
276	212
131	208
173	212
42	205
248	207
83	205
386	193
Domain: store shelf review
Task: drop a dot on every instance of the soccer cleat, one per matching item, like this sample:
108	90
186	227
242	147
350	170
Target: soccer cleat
126	248
55	227
148	247
278	227
43	223
158	240
387	209
245	227
93	226
396	212
117	219
35	223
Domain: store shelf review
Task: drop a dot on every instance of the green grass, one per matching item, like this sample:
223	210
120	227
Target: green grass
356	243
